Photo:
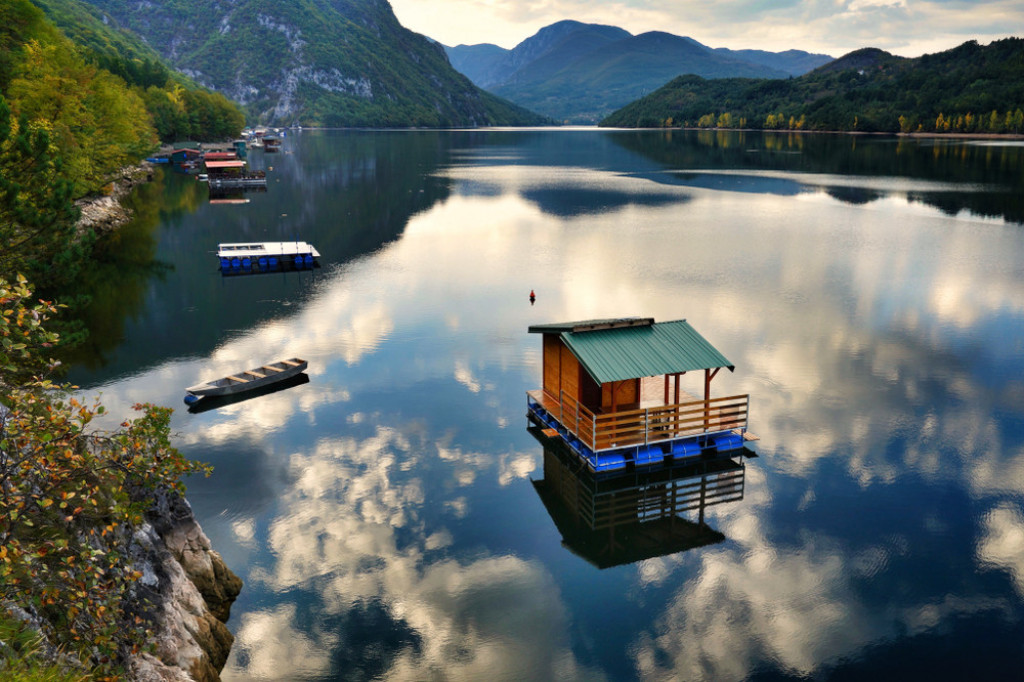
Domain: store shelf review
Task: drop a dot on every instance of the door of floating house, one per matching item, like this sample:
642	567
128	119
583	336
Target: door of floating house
614	385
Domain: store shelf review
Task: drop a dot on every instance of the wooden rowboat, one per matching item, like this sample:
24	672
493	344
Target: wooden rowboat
249	380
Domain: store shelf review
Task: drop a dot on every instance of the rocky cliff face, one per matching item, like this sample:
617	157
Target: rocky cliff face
190	591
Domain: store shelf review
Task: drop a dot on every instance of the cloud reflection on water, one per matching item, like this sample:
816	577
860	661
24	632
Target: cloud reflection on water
860	333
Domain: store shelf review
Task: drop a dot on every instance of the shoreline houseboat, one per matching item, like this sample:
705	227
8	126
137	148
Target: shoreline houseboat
611	393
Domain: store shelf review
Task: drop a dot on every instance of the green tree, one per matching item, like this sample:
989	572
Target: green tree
995	122
37	214
98	124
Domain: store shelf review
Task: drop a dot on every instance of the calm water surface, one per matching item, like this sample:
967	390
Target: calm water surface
869	291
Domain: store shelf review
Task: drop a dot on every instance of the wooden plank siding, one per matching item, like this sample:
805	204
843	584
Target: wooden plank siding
570	367
552	364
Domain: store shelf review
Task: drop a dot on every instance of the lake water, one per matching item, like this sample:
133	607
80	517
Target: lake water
870	292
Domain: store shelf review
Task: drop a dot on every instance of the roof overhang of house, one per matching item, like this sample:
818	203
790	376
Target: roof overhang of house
633	348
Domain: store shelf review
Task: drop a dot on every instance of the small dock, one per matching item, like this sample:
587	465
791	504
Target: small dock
243	182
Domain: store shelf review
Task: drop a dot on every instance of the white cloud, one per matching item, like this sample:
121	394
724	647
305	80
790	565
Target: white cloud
907	27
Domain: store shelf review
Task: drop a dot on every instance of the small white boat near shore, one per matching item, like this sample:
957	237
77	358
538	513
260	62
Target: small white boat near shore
249	380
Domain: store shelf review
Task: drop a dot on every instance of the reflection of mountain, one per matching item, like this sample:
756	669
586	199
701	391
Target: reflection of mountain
623	517
567	202
986	180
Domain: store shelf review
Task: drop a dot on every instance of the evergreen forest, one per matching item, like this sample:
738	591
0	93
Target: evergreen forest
972	89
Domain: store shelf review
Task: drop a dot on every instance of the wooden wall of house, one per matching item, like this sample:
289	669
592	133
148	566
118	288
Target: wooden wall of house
552	364
627	395
561	368
562	372
570	372
590	392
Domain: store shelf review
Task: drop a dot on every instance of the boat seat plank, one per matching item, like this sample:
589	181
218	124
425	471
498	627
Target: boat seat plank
256	374
289	362
271	369
241	381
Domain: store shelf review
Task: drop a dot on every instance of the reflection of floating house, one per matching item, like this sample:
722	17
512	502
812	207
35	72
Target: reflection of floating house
618	518
611	393
248	258
232	193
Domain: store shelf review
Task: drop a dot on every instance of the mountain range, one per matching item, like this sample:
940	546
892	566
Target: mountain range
578	72
314	62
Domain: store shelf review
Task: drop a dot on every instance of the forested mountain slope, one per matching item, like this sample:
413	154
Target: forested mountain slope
313	62
970	89
180	109
580	72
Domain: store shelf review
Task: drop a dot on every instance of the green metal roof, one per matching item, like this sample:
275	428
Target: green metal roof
614	350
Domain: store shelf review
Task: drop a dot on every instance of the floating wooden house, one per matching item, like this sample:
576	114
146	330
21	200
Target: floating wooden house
612	393
234	167
271	143
186	157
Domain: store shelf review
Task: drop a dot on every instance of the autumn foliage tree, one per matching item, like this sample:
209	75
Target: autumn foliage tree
71	497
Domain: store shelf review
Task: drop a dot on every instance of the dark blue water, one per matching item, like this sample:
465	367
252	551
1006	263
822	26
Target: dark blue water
384	516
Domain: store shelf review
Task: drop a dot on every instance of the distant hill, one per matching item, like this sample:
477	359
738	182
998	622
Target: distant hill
580	72
313	62
970	88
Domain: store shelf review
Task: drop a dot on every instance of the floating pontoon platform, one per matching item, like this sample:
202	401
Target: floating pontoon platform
248	257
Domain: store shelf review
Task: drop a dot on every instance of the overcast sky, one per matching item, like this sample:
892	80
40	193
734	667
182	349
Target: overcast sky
835	27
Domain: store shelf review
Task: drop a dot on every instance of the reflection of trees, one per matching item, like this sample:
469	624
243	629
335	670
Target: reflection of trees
347	193
994	174
114	283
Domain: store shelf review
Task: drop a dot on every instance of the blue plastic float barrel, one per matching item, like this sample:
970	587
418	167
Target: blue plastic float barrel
308	260
610	461
235	263
650	454
727	441
685	448
298	261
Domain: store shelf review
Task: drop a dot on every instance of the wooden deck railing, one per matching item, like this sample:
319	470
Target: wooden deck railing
651	425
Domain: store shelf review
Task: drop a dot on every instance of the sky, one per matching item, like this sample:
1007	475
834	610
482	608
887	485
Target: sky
908	28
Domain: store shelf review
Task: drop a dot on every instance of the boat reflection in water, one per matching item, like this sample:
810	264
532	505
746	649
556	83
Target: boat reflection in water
620	517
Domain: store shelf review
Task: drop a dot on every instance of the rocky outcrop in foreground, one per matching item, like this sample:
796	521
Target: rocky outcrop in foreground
190	591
